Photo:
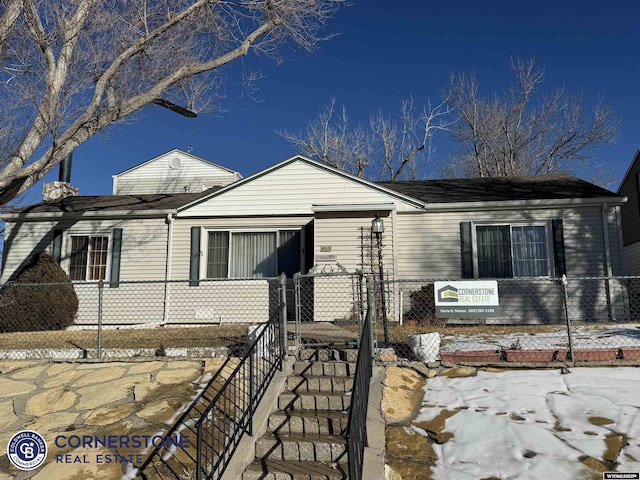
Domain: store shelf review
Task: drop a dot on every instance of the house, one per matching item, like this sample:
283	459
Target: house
300	214
173	172
630	213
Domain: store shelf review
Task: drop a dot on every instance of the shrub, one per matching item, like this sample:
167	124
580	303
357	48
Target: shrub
41	298
423	307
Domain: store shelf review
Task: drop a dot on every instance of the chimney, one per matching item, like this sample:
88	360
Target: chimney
55	191
64	174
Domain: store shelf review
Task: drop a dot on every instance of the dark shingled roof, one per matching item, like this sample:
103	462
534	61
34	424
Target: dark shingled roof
546	187
80	204
540	187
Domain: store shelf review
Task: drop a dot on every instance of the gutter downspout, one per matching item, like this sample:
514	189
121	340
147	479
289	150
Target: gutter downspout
167	274
607	260
623	260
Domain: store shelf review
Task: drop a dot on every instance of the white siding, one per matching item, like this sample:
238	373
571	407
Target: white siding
341	234
143	244
158	176
143	257
428	245
23	240
291	190
632	258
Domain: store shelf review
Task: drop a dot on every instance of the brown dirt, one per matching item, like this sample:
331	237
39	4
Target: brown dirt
399	333
213	336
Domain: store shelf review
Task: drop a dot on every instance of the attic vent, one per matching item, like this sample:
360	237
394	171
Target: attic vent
174	163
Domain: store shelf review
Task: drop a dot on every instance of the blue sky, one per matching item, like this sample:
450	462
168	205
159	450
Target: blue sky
387	51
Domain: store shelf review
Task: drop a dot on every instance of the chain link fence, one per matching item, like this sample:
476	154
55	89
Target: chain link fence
540	320
132	319
326	301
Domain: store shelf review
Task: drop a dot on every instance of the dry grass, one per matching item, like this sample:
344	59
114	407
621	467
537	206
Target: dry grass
399	333
228	335
210	336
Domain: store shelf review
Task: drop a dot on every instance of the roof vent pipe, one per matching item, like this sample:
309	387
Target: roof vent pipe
64	174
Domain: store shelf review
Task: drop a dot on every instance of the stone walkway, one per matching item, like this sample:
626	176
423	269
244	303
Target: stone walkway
66	401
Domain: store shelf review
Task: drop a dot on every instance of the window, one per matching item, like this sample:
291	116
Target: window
88	259
252	254
505	251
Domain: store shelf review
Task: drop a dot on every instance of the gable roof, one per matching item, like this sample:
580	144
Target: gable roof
181	152
313	163
496	189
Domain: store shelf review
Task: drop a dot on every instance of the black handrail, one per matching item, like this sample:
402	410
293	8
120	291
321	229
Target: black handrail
357	426
218	418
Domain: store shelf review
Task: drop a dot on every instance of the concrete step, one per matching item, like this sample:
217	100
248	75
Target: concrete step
328	354
320	383
290	470
313	400
330	368
306	447
303	421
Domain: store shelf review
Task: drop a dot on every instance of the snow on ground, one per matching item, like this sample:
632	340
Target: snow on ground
534	424
596	336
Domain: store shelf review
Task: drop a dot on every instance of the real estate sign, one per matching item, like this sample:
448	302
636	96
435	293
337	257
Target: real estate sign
467	299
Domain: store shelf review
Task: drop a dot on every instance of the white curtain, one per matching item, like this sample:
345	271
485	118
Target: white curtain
529	251
253	255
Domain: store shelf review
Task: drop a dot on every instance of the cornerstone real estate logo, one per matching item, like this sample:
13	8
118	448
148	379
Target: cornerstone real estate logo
448	293
27	450
467	299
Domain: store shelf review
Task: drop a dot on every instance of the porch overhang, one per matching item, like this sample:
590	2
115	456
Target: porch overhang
354	207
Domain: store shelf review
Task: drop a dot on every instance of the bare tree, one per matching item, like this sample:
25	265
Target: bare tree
387	149
69	68
524	132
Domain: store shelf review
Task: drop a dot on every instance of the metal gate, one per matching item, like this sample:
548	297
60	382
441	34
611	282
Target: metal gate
329	308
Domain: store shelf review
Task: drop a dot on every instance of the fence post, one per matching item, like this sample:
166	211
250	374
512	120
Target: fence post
199	450
361	300
100	293
565	295
298	304
369	307
252	376
283	318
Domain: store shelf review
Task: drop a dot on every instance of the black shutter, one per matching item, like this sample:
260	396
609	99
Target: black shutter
466	249
116	250
560	265
57	246
194	264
